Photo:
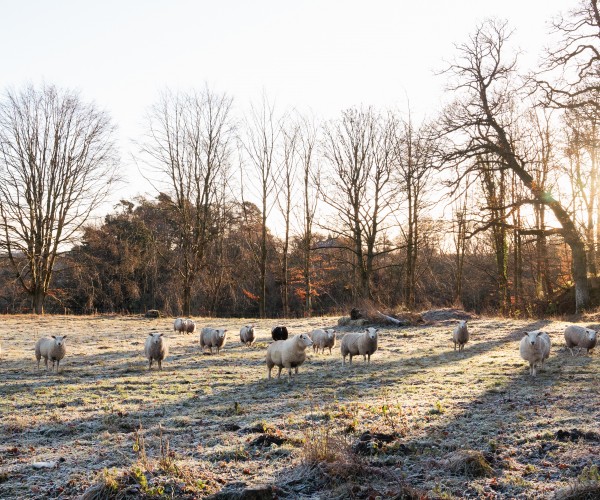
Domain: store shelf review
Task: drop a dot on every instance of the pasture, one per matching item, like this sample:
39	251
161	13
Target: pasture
107	426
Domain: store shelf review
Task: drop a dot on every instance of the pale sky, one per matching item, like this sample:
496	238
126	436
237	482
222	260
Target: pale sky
324	55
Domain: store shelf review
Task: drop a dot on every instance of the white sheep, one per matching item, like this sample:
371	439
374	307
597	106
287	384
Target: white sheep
535	348
247	335
460	336
179	325
189	326
363	343
578	336
289	354
322	339
53	349
213	337
156	348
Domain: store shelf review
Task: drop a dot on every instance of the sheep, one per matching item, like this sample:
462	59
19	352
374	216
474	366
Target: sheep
460	336
322	339
279	332
247	335
364	343
189	326
54	348
156	348
578	336
535	348
289	354
179	325
212	337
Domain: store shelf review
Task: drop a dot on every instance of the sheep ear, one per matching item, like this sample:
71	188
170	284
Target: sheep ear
53	336
64	337
149	335
161	334
538	333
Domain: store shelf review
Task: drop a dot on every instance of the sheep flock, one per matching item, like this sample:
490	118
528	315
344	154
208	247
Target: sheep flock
289	352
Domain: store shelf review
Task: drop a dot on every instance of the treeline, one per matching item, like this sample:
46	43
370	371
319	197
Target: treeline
493	204
128	264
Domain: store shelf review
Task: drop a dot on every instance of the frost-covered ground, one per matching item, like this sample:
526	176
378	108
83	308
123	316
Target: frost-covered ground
207	422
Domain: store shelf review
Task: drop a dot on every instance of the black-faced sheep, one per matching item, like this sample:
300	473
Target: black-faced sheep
279	332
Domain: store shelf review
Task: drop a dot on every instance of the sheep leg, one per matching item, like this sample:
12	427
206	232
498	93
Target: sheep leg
159	364
39	363
57	363
350	357
296	370
343	359
571	349
289	374
46	363
150	364
368	359
279	372
455	346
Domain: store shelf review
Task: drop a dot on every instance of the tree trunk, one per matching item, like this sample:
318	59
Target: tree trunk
187	294
37	301
262	306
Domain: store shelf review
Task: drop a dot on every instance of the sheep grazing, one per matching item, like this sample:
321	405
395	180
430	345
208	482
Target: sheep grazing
535	348
156	349
212	337
322	339
189	326
289	354
179	325
279	332
578	336
363	343
53	349
247	335
460	336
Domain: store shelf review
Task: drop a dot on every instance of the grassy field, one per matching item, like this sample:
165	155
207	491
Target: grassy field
421	420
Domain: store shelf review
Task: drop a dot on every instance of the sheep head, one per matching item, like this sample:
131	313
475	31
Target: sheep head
59	339
156	337
532	336
372	332
305	340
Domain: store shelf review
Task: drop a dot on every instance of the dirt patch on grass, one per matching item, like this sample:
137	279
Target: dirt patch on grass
397	422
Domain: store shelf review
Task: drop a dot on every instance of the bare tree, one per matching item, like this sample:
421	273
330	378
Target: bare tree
480	123
570	75
306	148
360	150
414	166
286	185
57	164
263	130
189	143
